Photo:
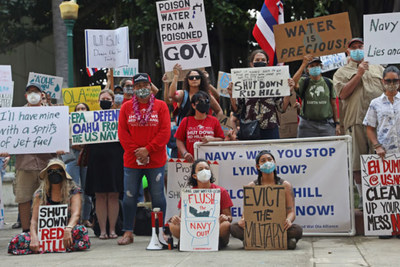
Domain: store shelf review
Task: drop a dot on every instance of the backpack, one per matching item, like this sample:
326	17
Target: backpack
305	85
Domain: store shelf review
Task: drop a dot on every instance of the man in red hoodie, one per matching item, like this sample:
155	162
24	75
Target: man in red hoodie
144	129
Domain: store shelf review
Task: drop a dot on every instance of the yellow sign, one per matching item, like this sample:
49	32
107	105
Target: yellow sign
76	95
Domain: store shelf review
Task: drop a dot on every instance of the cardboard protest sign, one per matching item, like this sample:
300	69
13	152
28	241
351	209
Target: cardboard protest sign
33	130
6	94
183	34
318	36
51	223
128	71
381	194
381	45
178	177
76	95
264	215
223	82
200	219
50	84
98	126
5	73
332	62
260	82
107	48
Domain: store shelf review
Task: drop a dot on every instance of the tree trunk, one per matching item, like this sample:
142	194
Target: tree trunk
60	42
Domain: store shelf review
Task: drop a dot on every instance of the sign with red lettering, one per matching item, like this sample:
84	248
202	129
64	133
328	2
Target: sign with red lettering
381	194
200	219
51	223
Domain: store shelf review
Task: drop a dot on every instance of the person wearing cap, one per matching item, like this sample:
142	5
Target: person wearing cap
143	129
57	187
318	114
356	84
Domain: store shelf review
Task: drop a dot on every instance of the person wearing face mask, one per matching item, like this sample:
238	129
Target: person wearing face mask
201	177
197	127
118	96
356	84
266	167
143	129
105	174
56	188
318	114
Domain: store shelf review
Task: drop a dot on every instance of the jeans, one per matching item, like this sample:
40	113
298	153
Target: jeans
132	184
269	133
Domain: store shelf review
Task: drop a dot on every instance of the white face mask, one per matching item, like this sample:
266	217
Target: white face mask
204	176
34	98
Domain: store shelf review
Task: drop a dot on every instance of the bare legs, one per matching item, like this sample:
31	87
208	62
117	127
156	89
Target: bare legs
107	206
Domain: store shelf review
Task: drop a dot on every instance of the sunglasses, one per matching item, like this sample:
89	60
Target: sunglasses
391	80
59	171
197	77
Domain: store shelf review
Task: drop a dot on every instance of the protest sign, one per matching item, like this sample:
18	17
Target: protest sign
178	178
107	48
333	62
128	71
226	124
200	219
6	94
98	126
318	36
5	73
381	45
50	84
223	82
76	95
51	223
381	194
316	168
33	130
260	82
1	206
183	34
264	215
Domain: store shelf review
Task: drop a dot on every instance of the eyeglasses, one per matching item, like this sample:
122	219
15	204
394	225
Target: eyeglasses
197	77
391	80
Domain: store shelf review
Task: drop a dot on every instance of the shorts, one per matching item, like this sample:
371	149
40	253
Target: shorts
360	144
26	183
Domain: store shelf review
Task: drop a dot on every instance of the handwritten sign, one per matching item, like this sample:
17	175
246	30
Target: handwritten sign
332	62
6	94
51	223
107	48
200	219
183	33
76	95
260	82
5	73
264	214
33	130
99	126
381	194
223	82
381	41
50	84
318	36
128	71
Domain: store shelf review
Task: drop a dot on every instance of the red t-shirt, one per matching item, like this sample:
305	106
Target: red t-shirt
191	130
226	201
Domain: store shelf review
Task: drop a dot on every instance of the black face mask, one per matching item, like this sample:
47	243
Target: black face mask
55	178
260	64
105	104
202	107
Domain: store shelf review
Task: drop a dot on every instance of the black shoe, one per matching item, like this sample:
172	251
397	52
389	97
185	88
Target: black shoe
16	225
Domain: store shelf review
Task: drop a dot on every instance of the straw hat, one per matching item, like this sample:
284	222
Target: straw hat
43	173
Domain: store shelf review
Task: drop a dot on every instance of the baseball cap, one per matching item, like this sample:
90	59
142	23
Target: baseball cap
315	59
35	84
355	40
141	77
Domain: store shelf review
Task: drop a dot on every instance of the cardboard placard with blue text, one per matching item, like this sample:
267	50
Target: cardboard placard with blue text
200	219
33	130
74	96
223	82
260	82
128	71
98	126
6	94
381	194
50	84
51	223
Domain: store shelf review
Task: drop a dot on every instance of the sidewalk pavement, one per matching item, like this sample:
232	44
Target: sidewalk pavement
310	251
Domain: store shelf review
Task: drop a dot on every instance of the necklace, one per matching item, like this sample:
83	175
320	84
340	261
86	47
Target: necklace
146	116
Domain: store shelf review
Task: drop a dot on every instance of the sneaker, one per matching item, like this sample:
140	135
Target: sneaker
16	225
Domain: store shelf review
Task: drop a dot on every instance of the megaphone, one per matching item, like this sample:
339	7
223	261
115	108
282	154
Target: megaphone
156	215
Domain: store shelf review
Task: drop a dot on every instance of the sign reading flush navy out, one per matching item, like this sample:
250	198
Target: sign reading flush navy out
183	34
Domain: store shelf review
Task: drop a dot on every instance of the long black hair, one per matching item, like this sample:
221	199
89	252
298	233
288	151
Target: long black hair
265	152
200	95
192	181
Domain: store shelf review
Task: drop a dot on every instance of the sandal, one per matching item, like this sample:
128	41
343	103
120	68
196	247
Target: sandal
125	240
113	236
103	236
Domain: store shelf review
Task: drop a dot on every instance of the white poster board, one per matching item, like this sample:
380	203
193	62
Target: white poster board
178	178
183	34
333	62
107	48
381	194
260	82
200	219
316	167
5	73
6	94
51	223
381	38
34	130
50	84
128	71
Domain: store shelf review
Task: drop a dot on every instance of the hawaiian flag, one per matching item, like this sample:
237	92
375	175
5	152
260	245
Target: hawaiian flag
271	13
91	71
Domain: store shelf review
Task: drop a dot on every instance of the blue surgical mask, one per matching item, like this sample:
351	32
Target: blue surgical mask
118	99
268	167
315	71
357	54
